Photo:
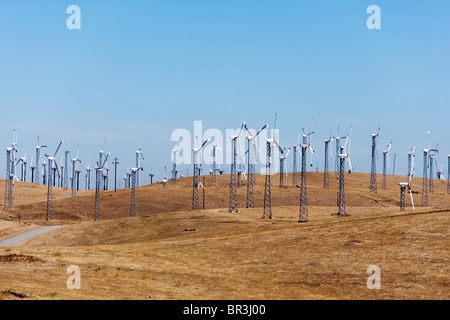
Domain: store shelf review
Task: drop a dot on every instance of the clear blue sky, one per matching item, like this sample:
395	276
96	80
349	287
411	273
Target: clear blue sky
137	70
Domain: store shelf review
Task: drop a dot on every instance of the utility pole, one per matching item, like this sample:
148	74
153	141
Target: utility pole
115	163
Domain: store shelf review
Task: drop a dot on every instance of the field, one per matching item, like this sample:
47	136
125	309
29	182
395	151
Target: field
171	252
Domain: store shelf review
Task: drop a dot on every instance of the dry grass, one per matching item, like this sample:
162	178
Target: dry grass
171	252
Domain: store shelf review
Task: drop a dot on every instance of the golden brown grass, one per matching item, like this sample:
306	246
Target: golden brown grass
171	252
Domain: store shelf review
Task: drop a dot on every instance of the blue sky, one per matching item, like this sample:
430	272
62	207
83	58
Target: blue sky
138	70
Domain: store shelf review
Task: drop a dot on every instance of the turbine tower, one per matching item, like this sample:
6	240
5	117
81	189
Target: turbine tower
251	164
32	168
214	164
9	177
308	136
88	177
410	156
134	175
139	157
282	160
373	171
174	168
268	183
233	203
151	175
386	155
98	179
338	151
101	153
326	175
303	191
403	186
51	163
196	176
343	156
425	178
432	157
74	172
38	154
66	170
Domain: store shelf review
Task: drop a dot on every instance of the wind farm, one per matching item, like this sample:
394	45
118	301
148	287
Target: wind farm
196	208
224	151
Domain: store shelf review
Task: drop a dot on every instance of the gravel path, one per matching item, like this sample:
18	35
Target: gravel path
27	235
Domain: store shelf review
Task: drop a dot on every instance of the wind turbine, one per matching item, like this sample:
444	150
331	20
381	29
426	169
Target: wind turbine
326	176
214	164
233	203
101	153
88	177
151	175
386	155
196	176
270	143
282	160
134	175
373	171
338	150
9	177
74	170
307	136
32	168
38	153
98	178
403	186
165	178
139	157
23	167
344	155
251	163
410	156
174	168
51	162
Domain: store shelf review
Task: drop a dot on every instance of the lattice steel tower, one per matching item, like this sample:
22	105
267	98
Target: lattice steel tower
373	171
267	184
342	204
251	155
282	161
251	164
38	153
294	166
134	175
98	180
402	196
174	167
50	181
214	164
303	191
326	175
9	180
66	170
233	203
425	179
196	176
50	189
431	184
